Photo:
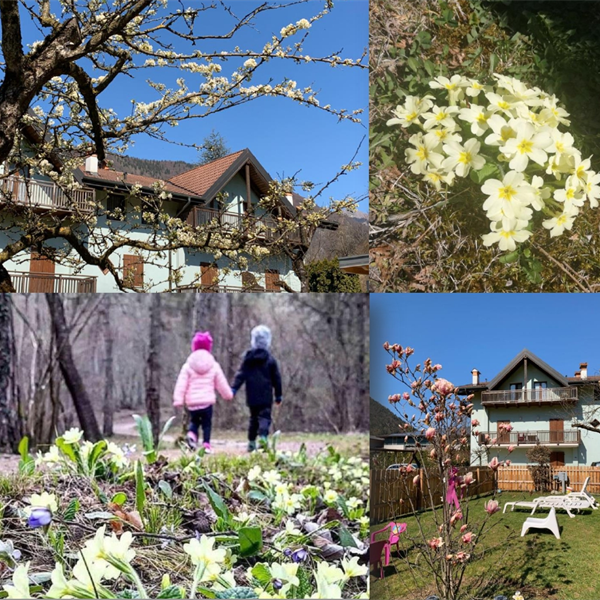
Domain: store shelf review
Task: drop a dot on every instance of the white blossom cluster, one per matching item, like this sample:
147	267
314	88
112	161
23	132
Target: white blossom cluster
510	133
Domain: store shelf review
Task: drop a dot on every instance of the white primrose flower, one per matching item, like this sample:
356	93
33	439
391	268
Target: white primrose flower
498	103
527	144
508	198
581	168
72	436
463	158
442	135
436	177
564	221
440	116
592	188
506	235
20	583
562	143
423	154
502	131
553	114
541	194
477	116
413	108
454	86
474	88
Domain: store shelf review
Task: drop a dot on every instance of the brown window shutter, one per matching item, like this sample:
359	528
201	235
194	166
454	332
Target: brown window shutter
133	264
209	275
271	276
249	281
41	274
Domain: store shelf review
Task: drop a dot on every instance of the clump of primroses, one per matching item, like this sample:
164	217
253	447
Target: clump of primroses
436	420
509	138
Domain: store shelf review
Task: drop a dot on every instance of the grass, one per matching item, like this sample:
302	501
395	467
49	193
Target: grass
538	565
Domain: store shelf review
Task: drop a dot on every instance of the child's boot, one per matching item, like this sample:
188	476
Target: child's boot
192	440
207	447
251	445
263	442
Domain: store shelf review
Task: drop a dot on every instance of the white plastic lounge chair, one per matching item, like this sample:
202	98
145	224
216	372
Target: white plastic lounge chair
549	522
583	493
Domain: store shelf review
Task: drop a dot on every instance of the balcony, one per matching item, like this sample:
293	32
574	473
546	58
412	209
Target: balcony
570	438
221	289
527	397
45	195
263	224
50	283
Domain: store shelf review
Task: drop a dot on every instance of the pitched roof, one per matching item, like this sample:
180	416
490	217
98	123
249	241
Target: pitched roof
119	178
202	178
544	366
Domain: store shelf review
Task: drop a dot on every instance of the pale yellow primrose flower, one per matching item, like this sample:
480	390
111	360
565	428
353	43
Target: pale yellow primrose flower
202	553
352	568
43	500
20	587
72	436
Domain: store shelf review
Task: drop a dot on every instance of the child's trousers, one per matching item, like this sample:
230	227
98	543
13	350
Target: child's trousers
201	418
260	422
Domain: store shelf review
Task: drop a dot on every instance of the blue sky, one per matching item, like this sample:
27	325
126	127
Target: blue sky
284	136
483	331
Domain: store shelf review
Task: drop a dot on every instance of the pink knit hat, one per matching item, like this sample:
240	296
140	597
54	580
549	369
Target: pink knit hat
202	341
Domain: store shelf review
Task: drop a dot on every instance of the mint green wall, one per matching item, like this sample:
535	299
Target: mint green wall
533	374
537	418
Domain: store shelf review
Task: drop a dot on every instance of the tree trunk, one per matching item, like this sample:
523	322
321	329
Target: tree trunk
153	368
10	421
109	396
73	380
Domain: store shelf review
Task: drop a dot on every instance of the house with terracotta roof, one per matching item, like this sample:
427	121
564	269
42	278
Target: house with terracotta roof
528	402
227	190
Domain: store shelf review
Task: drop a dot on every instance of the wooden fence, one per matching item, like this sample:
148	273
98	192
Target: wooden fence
393	493
517	478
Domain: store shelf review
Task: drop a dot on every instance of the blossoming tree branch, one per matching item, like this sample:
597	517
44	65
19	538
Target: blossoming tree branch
55	88
449	535
509	138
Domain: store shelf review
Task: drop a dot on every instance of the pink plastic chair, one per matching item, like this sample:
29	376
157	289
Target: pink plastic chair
377	550
394	538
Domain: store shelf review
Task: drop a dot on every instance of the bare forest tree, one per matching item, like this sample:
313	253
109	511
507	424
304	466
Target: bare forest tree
77	359
92	46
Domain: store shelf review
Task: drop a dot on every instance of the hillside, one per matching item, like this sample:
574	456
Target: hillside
383	420
161	169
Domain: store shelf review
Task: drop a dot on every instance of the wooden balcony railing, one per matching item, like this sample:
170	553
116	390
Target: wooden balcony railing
222	289
45	195
264	224
527	396
25	283
531	438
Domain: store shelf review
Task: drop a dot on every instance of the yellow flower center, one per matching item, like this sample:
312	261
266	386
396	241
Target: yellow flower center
440	116
580	170
506	133
422	153
433	176
507	192
481	118
411	116
450	86
570	194
561	220
507	234
464	157
560	146
503	105
525	146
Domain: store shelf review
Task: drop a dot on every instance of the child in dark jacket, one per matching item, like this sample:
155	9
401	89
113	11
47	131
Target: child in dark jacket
260	372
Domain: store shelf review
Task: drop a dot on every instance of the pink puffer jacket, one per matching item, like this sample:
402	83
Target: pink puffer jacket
198	379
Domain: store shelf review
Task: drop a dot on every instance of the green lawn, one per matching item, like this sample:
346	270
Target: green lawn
538	565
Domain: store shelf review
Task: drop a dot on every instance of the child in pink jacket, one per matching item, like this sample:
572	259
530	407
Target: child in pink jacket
195	389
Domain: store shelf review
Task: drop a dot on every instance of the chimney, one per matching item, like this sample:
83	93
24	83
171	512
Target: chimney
476	375
91	164
578	374
583	367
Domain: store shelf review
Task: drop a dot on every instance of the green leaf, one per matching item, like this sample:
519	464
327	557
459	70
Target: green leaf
97	450
66	449
71	510
413	64
206	592
24	447
166	428
429	68
493	62
217	503
175	591
257	496
346	538
119	498
144	429
261	574
250	541
486	172
165	488
140	494
510	257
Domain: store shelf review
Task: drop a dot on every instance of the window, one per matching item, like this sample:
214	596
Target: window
539	390
116	202
516	393
209	277
271	279
133	270
516	386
